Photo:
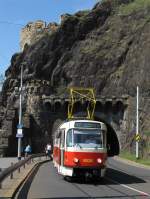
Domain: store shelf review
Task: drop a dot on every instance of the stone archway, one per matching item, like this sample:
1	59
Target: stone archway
57	107
113	143
112	139
55	125
54	112
47	106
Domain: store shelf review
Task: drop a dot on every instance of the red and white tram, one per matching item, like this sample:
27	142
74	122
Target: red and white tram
80	148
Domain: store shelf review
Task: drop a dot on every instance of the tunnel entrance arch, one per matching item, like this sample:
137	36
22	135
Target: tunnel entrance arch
47	107
112	138
113	144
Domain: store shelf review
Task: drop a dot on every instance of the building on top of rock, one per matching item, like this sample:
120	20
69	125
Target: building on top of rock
33	31
52	26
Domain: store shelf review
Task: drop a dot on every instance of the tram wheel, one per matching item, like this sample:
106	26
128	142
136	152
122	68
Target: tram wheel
88	177
68	178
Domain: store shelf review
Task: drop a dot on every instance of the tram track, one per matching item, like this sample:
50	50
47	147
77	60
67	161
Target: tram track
105	182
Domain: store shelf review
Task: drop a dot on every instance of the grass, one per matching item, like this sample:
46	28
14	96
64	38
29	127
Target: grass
129	156
82	13
147	133
133	7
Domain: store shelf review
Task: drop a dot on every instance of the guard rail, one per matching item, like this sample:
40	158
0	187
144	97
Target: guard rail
21	163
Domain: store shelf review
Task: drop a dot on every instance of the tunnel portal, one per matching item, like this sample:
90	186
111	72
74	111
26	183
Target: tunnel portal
44	116
111	112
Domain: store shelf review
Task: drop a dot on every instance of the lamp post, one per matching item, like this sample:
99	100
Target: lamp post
19	134
137	123
1	82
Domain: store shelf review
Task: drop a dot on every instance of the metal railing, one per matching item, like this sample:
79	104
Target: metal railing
14	167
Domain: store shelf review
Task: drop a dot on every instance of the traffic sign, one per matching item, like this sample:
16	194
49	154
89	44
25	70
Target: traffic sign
19	133
137	137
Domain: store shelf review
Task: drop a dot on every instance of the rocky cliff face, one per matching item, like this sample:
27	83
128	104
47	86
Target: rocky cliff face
106	48
110	45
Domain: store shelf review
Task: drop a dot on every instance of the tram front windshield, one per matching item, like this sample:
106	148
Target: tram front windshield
85	138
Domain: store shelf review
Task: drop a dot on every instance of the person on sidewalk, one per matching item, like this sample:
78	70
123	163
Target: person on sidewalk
46	151
49	149
28	150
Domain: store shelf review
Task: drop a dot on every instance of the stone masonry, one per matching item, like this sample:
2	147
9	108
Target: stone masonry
42	109
33	31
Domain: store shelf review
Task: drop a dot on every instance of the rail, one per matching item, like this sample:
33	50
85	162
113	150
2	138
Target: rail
21	163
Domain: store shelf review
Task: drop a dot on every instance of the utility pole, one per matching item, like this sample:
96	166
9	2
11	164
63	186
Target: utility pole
137	124
1	81
20	125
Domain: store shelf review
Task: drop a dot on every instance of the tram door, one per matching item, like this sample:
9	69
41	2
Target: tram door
62	146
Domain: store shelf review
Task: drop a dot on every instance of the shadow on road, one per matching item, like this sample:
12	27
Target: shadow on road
112	177
123	178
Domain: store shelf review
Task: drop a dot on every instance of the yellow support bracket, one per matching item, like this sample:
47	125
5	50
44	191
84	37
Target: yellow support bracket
85	95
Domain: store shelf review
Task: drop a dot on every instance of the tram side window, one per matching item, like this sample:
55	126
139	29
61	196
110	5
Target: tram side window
69	140
62	138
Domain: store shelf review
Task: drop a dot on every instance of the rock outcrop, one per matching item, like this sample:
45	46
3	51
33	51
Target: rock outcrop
106	48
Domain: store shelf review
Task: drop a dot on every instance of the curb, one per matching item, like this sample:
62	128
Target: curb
132	163
26	177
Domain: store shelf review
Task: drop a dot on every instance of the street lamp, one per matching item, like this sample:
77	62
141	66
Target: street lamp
137	124
19	134
1	82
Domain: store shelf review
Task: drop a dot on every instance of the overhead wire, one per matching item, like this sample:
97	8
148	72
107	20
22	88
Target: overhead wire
11	23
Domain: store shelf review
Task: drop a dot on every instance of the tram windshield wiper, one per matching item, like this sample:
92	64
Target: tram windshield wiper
78	145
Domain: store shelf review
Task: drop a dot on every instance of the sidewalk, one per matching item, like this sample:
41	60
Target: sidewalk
6	162
9	186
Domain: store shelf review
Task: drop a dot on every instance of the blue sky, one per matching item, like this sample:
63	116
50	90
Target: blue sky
15	14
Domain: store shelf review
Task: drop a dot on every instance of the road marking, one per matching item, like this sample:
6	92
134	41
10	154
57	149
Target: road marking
128	187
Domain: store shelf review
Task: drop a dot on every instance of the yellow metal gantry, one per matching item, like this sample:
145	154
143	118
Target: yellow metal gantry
85	95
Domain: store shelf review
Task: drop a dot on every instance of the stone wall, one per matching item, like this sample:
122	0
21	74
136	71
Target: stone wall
42	108
33	31
41	111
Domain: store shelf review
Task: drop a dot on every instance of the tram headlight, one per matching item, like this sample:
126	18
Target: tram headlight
76	160
99	160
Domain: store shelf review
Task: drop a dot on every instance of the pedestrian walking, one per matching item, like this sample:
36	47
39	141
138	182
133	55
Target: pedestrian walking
46	152
49	149
27	150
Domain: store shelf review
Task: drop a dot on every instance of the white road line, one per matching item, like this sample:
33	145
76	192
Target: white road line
128	187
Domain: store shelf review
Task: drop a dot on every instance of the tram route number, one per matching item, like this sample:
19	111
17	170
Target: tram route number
88	160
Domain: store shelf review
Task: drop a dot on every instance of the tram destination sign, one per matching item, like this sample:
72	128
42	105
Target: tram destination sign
87	125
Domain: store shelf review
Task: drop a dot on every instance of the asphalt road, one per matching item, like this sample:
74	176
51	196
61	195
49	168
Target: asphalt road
122	181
